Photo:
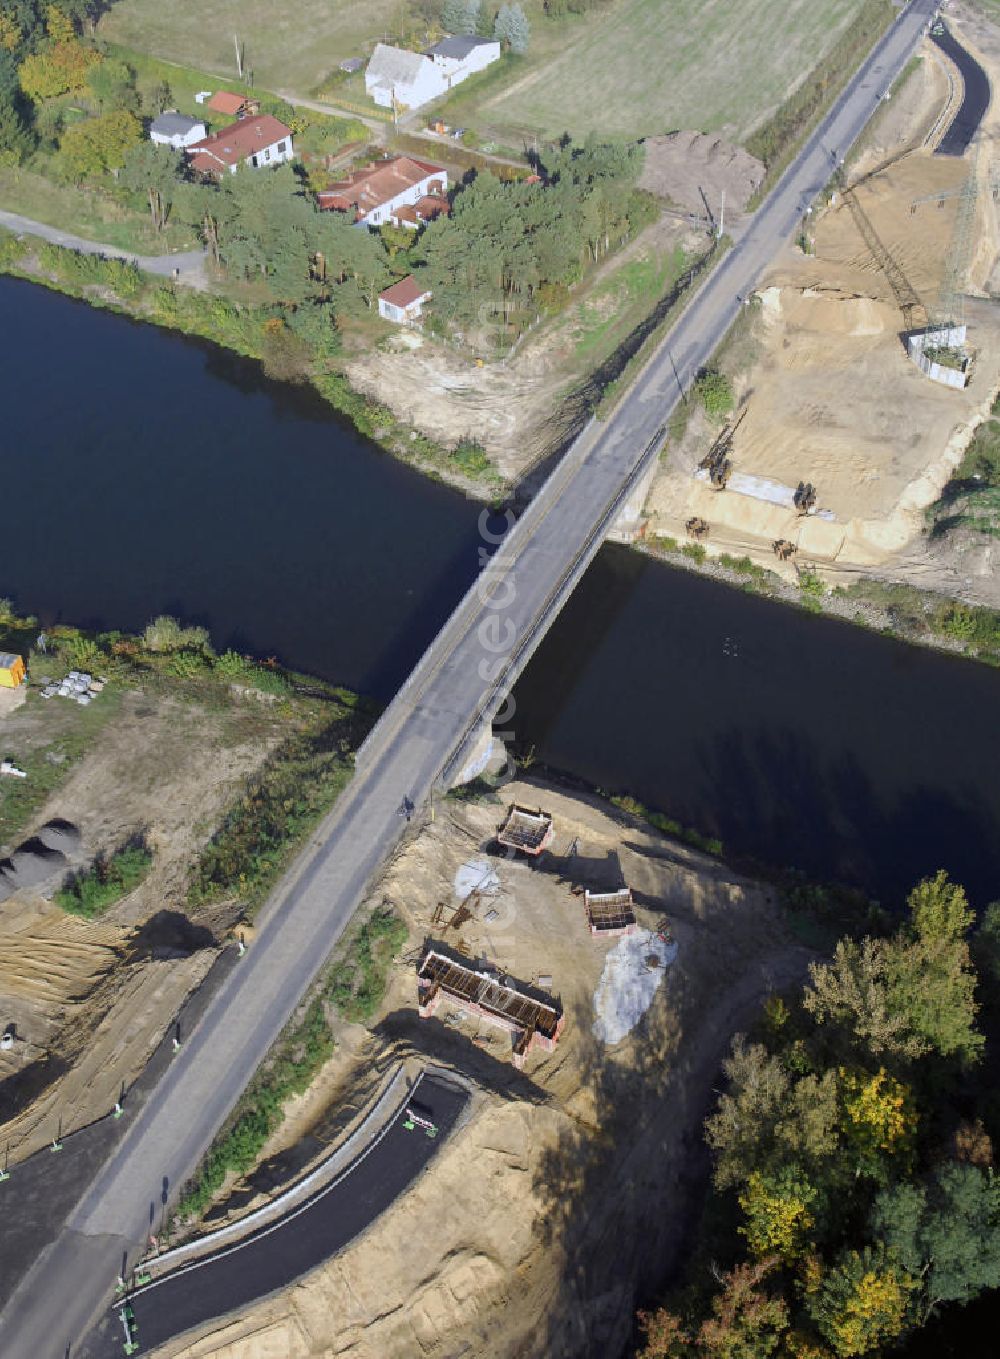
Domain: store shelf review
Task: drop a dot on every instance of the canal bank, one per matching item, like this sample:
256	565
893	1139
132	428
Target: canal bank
149	473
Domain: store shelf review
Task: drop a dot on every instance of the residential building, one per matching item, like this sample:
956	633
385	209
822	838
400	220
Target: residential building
256	141
400	190
463	55
398	79
403	302
176	130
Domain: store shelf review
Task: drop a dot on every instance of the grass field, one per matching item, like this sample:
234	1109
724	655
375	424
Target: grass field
290	46
643	67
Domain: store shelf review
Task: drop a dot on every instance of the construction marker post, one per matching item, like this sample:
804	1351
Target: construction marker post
413	1121
131	1345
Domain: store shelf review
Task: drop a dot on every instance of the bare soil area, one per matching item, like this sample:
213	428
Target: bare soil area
829	394
694	169
89	1000
521	409
564	1194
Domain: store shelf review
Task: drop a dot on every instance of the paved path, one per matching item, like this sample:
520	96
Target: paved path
427	729
975	98
188	266
275	1256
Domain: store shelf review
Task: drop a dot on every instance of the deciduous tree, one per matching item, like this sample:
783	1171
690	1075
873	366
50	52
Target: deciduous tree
98	144
862	1303
512	28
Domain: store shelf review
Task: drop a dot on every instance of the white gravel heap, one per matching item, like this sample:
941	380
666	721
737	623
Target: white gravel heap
628	983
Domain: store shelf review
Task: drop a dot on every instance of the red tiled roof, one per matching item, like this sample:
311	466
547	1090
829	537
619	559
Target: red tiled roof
237	143
224	101
367	189
431	205
404	293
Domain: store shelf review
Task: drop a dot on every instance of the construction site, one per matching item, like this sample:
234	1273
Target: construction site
869	353
587	992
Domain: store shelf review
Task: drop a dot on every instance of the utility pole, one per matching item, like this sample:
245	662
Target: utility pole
722	215
239	56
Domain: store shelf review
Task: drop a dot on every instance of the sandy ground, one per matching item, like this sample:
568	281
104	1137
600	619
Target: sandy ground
693	170
563	1196
830	395
91	999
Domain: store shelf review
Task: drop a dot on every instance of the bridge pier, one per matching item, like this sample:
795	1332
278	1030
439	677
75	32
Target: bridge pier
625	529
483	754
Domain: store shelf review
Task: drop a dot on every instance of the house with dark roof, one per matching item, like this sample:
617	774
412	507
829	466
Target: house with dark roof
256	141
176	130
463	55
400	190
403	302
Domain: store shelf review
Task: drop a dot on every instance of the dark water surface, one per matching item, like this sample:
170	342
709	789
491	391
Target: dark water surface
146	473
797	739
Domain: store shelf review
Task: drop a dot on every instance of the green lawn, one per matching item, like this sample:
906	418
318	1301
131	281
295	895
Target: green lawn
290	46
603	319
642	67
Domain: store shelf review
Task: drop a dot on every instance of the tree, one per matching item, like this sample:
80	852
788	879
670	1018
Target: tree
714	390
777	1212
741	1131
512	27
746	1323
854	994
57	69
862	1303
98	144
154	171
879	1120
931	974
460	16
160	97
16	139
947	1232
112	83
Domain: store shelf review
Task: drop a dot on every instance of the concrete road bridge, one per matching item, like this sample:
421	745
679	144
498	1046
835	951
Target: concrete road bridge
426	736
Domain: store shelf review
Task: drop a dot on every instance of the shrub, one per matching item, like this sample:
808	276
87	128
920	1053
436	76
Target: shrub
695	551
165	635
715	392
810	584
90	893
470	456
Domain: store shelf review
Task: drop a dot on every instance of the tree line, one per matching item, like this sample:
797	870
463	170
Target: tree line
854	1193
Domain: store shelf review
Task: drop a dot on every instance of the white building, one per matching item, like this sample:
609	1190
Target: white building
400	190
256	141
399	79
176	130
459	57
403	302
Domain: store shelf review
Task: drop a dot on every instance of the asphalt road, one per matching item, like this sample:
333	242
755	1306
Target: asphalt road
279	1254
475	658
975	100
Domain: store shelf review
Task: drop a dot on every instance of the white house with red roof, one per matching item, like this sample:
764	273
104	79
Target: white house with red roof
400	190
257	141
403	302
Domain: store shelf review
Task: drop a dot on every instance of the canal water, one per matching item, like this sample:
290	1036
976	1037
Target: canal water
144	473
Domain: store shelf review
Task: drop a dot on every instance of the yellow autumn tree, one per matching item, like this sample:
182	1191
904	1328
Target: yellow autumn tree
777	1213
879	1120
58	25
863	1302
10	32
